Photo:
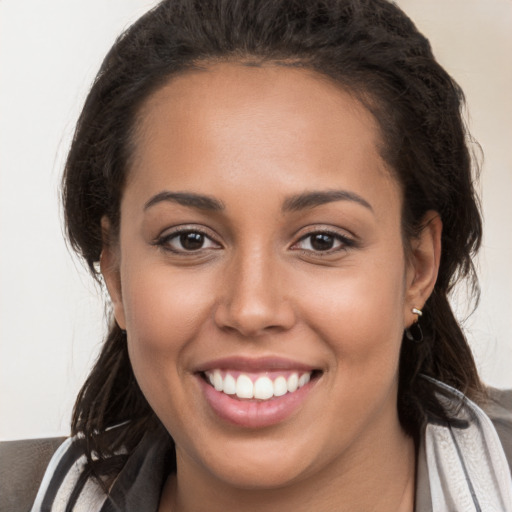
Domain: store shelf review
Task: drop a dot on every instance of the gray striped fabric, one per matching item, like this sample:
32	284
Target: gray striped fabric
461	467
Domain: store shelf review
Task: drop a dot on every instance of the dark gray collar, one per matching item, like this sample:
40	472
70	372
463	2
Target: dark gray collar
139	485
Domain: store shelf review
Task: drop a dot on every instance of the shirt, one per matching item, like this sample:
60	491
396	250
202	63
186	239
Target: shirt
461	466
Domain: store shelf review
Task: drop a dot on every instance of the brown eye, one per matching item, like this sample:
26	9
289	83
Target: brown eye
322	242
186	241
192	241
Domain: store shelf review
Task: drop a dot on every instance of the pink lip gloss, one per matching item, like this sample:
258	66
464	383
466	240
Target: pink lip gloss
254	413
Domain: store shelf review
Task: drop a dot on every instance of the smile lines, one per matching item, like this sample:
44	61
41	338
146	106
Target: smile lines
258	387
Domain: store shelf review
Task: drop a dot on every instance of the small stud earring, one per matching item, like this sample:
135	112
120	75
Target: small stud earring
414	332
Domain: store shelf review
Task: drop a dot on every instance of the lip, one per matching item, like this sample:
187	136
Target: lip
254	414
254	365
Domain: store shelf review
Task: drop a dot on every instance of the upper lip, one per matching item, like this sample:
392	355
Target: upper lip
260	364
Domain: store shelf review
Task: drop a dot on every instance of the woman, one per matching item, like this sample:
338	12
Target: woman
279	197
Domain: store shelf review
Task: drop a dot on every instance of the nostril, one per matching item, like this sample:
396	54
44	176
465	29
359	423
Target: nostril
254	319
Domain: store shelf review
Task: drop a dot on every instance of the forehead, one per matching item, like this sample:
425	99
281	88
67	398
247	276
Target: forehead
246	125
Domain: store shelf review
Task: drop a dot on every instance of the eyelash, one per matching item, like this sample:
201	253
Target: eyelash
164	241
344	241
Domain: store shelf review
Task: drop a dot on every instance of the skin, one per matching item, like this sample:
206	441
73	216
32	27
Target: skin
251	137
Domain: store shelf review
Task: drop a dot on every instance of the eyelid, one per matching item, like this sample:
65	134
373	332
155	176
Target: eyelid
347	241
168	234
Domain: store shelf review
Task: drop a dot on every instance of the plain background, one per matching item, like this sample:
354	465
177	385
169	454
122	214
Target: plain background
51	313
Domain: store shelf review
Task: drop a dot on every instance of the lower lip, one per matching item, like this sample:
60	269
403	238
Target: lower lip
253	413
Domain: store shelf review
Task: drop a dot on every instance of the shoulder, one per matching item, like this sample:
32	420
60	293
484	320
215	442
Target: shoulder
66	482
22	466
499	409
69	485
465	462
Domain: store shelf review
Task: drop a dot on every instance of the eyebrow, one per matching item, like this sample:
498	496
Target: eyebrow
199	201
318	198
294	203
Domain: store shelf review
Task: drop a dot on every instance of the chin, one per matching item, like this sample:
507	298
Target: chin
268	474
258	462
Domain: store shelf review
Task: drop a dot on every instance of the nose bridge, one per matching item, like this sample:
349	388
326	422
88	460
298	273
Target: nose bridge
254	299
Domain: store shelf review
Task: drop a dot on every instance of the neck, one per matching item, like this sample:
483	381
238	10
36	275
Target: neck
376	476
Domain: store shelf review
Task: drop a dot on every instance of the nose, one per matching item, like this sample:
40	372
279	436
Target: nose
254	300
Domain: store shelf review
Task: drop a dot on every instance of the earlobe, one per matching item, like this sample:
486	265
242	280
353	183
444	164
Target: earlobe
424	264
110	269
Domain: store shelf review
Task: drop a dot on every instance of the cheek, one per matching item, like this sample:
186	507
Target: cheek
359	312
359	316
163	306
165	312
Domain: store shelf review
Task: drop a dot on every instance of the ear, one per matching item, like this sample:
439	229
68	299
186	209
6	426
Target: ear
110	269
423	267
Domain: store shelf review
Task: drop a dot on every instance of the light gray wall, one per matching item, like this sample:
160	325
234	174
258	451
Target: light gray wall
51	315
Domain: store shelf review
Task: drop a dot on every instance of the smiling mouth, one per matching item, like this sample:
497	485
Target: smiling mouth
258	386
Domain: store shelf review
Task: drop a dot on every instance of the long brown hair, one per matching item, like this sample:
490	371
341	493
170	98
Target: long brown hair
372	49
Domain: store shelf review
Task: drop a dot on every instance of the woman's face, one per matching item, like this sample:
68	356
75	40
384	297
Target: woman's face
260	244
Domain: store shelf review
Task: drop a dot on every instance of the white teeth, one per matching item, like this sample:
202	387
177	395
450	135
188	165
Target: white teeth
304	379
217	380
229	385
293	382
280	386
263	388
244	387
